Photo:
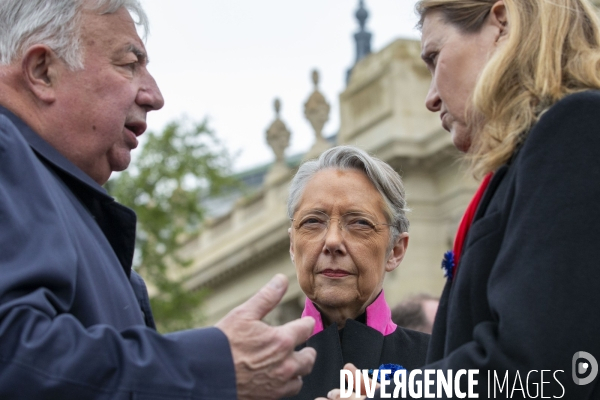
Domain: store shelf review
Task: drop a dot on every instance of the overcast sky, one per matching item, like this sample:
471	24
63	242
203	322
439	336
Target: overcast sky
228	59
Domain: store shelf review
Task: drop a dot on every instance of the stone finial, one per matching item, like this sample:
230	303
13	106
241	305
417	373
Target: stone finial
362	37
316	108
361	15
278	135
316	111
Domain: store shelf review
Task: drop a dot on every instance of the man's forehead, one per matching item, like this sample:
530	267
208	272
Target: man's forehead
119	22
116	30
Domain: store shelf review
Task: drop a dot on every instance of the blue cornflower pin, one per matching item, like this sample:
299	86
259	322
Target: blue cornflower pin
392	367
448	264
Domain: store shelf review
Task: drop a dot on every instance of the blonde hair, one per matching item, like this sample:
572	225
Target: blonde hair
552	50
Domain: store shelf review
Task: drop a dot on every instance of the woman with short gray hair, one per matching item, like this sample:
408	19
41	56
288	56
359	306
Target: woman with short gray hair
341	265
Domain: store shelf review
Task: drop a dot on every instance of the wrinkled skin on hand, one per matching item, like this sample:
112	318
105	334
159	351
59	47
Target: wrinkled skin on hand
266	365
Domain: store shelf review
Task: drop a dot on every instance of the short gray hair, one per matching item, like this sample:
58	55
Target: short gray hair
55	23
387	182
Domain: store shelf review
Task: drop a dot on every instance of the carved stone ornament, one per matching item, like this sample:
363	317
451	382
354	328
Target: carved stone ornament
278	136
316	110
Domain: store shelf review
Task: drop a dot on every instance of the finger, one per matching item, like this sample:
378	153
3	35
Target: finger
305	359
334	394
350	367
290	388
299	363
299	329
266	299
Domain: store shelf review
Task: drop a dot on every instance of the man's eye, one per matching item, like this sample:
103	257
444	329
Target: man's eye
132	66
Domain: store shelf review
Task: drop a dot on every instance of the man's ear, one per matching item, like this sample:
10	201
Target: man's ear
39	66
397	253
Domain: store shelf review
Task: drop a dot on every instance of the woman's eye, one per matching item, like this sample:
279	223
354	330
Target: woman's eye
431	58
360	223
312	221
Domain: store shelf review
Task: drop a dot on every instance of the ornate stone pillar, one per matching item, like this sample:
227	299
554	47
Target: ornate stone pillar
278	137
316	111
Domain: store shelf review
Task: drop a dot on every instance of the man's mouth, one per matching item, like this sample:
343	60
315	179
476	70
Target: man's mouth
133	130
137	128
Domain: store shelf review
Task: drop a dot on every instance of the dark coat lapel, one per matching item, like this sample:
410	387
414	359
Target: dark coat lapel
438	343
362	346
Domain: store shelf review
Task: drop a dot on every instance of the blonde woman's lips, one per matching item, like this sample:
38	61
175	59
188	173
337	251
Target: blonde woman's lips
442	115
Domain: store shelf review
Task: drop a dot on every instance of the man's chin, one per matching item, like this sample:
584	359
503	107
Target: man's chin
121	161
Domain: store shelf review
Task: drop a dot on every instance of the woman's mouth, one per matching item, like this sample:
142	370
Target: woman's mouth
335	273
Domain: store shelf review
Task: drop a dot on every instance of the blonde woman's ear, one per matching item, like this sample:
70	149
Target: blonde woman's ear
499	17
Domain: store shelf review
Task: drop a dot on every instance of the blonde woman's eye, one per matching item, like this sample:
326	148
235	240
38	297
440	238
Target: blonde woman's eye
431	58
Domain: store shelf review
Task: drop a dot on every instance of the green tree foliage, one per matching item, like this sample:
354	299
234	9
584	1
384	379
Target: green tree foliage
164	185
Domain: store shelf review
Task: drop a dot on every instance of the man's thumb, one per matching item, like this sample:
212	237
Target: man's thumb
266	299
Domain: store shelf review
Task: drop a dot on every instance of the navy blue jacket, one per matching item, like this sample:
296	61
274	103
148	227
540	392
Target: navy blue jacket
527	292
75	321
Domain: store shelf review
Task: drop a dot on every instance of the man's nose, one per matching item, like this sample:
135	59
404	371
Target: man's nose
433	102
149	95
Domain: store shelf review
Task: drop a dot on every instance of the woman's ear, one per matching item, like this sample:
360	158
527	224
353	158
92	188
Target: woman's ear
291	246
397	252
499	18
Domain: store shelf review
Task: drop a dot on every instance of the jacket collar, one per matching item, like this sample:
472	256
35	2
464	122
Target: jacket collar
116	221
44	150
379	316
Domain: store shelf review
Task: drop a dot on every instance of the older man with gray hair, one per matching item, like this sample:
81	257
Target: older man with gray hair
75	321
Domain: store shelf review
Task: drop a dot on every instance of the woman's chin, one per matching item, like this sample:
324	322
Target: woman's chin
461	138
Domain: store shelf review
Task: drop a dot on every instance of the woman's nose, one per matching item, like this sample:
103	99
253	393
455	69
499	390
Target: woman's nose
433	102
334	237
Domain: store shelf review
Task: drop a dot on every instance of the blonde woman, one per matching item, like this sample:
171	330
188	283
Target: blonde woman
516	83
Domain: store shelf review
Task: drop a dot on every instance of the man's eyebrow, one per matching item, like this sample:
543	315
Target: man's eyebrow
141	55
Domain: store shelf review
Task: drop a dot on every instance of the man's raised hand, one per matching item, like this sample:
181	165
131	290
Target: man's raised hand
266	365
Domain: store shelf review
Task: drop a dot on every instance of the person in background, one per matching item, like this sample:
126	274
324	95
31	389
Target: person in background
416	312
517	85
349	229
75	320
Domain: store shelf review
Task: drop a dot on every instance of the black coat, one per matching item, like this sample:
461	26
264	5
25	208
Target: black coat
75	322
362	346
527	292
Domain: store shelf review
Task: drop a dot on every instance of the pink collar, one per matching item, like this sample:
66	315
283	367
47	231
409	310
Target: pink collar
379	316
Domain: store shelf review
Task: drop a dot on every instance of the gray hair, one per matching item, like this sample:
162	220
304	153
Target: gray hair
55	23
387	182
